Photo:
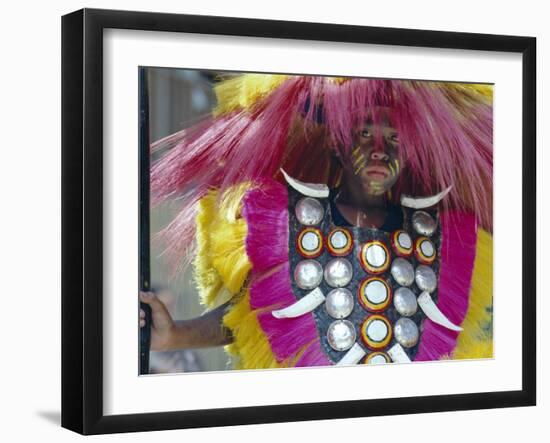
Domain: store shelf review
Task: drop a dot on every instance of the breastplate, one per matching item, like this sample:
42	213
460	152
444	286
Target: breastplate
370	279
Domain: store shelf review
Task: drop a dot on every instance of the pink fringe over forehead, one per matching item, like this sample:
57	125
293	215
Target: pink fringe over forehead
445	132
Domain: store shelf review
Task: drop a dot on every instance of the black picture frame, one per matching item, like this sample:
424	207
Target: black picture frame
82	219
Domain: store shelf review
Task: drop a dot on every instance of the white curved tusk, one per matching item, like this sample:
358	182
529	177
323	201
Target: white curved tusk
398	354
353	356
306	304
318	190
423	202
434	314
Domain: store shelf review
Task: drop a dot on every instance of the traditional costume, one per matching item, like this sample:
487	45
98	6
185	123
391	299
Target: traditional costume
303	287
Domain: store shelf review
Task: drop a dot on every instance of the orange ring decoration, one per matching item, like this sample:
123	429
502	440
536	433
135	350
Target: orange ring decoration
419	254
370	343
369	267
340	252
369	357
369	305
400	250
304	252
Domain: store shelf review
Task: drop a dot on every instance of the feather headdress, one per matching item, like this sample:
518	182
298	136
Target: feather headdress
305	125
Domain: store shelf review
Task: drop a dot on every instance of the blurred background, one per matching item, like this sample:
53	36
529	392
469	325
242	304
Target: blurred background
178	98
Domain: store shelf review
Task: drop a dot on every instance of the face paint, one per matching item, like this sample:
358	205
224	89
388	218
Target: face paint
361	159
373	160
376	187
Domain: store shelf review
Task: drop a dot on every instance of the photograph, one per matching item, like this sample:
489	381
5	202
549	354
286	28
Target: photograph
292	220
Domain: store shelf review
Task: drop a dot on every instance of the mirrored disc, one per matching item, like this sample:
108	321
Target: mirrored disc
338	272
341	335
339	303
309	211
402	271
406	332
308	274
423	223
405	302
425	277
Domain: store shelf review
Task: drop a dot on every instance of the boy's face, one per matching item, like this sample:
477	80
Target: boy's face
374	165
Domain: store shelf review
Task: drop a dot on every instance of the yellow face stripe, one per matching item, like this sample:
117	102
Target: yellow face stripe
376	188
362	165
358	159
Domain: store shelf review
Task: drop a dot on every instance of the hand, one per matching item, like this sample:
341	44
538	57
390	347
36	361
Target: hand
163	327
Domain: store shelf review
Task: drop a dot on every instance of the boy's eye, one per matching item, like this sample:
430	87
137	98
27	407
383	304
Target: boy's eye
394	138
365	133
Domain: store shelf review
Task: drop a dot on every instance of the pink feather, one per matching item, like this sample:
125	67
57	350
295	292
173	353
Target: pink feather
458	251
266	214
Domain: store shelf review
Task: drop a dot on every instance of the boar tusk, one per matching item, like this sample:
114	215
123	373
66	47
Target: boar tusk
434	314
306	304
318	190
423	202
353	356
398	354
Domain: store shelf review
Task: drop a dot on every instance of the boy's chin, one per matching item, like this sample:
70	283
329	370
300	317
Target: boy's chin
375	191
375	188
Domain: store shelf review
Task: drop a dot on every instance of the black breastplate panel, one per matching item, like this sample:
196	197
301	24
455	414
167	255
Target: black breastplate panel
361	272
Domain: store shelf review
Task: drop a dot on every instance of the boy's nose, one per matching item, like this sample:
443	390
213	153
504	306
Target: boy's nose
379	155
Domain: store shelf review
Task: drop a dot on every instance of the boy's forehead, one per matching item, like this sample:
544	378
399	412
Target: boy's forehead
382	121
379	116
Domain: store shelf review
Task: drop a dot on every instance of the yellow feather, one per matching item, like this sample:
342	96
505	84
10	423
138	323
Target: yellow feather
486	90
207	278
250	345
476	340
221	265
243	91
470	92
221	260
339	80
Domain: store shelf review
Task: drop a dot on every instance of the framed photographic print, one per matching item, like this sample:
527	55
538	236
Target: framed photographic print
310	220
